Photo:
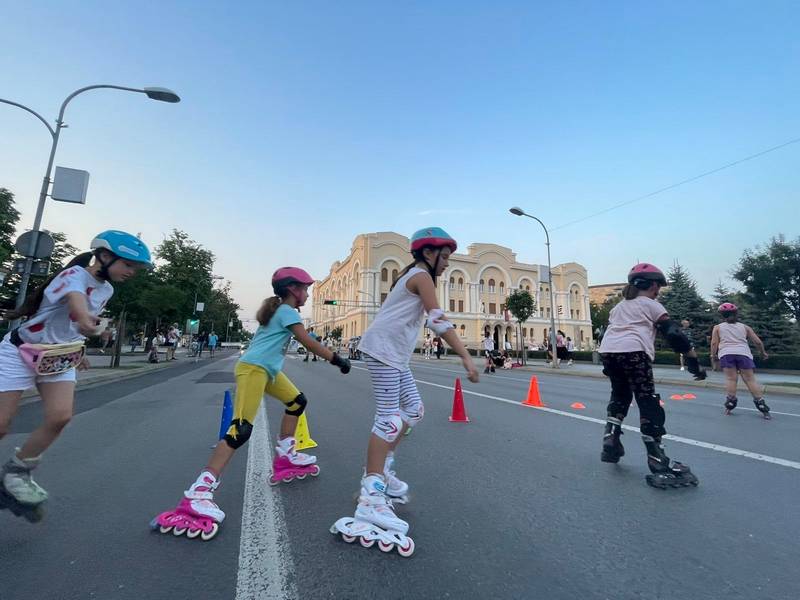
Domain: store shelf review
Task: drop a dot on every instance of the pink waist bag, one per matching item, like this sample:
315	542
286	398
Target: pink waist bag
52	359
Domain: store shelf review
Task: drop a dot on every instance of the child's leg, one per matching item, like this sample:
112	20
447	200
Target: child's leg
9	402
388	425
749	378
57	401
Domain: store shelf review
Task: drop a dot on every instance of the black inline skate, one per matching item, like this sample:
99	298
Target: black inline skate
613	449
762	407
665	473
730	403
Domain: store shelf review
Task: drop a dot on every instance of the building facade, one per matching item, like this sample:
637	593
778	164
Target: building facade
472	291
598	294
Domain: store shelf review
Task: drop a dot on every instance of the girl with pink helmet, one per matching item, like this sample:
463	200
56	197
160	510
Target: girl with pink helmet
628	351
258	371
386	347
729	344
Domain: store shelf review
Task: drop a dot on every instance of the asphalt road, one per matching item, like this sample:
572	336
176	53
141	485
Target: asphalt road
514	504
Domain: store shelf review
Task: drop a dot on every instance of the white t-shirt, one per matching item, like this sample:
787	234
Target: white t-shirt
52	323
733	340
631	327
392	336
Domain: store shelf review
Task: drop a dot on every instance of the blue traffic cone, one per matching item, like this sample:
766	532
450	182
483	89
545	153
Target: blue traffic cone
227	415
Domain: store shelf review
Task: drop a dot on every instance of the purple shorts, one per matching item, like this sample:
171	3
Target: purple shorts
736	361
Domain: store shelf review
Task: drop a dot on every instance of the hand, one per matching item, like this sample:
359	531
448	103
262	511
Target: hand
87	326
342	363
764	355
472	372
84	365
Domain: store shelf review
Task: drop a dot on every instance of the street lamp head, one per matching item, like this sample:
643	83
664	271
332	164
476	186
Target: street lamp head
516	210
162	94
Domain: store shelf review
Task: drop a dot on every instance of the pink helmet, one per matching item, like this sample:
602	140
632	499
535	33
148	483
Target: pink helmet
288	275
727	307
646	272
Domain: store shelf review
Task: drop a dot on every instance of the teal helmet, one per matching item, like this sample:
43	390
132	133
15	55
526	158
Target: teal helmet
123	245
435	237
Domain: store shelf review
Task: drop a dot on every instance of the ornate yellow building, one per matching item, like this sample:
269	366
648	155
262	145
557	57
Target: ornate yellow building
472	291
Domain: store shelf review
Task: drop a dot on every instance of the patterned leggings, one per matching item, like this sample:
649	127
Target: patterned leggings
397	400
631	375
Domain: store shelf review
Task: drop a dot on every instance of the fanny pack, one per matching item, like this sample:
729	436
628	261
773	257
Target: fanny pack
49	359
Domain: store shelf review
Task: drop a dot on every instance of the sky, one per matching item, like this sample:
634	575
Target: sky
304	124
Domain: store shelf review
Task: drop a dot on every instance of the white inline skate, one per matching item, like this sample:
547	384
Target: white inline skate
196	514
19	493
375	521
396	489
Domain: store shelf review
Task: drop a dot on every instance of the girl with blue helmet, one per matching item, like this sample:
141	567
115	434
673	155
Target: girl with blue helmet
45	350
386	347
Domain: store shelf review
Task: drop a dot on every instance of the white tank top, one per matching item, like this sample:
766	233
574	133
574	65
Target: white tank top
392	336
733	340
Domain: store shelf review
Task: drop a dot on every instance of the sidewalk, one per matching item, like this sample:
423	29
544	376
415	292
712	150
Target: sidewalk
784	382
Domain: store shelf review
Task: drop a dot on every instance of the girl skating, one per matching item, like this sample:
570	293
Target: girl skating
628	350
729	345
386	348
258	371
46	349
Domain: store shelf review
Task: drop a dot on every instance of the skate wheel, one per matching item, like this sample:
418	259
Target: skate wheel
384	547
367	543
407	550
348	538
207	536
193	533
178	531
315	472
165	529
272	481
301	476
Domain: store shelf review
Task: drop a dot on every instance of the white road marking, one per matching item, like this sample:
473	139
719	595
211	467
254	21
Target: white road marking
265	567
709	446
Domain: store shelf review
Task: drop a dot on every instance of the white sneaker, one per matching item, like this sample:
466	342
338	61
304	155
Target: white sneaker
286	446
683	368
201	497
18	482
374	507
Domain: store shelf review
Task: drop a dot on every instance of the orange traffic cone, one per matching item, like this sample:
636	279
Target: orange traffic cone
577	405
533	398
459	413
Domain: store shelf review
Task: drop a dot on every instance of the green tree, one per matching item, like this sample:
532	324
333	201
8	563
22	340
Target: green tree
771	277
521	304
683	301
336	334
9	217
722	294
188	266
780	336
600	312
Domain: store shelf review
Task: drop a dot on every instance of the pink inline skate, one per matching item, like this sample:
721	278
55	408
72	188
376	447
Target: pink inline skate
196	513
289	463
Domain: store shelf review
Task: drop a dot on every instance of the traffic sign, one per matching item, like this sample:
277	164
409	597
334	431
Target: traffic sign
44	245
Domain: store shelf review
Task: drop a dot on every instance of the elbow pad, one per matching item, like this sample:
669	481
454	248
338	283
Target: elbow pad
437	323
676	339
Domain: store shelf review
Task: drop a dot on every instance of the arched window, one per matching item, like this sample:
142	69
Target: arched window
463	330
491	286
394	274
384	274
480	286
527	288
524	332
461	284
502	288
452	282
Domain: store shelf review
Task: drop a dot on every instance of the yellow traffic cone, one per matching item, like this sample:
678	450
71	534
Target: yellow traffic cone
302	436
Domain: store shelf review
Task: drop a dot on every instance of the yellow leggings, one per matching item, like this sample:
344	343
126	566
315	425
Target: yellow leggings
252	382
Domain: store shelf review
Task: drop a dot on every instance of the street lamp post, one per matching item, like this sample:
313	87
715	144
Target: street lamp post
154	93
521	213
228	324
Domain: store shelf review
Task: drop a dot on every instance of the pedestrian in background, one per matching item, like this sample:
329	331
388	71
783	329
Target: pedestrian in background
213	340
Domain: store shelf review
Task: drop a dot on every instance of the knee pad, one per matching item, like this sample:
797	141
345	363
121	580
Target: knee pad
297	406
238	433
652	415
411	415
387	428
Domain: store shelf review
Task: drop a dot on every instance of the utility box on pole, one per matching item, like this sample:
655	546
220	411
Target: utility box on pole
70	185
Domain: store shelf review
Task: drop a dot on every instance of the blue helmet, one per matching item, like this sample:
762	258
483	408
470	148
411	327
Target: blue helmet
124	245
432	236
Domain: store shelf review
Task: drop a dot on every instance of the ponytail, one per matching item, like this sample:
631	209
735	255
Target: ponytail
418	257
34	301
268	308
630	291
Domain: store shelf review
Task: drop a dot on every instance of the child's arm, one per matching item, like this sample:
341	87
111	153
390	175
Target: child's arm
751	335
422	285
314	346
79	309
715	341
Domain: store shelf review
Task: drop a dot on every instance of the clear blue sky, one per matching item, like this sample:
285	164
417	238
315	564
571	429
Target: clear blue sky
305	123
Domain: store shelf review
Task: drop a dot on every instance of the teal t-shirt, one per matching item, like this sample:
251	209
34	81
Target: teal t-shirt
268	346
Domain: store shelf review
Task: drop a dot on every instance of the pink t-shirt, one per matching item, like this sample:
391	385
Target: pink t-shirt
631	327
